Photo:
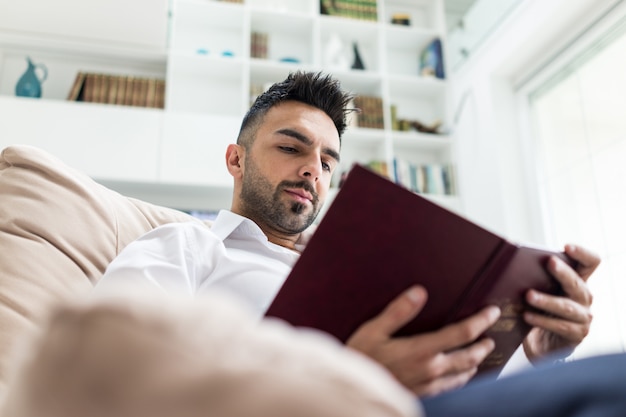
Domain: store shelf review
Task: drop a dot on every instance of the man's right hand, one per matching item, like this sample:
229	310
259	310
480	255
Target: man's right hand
428	363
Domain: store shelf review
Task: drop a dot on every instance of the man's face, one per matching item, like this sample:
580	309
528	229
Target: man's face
288	167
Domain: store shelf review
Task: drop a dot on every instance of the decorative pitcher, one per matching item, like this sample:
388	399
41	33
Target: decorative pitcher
29	84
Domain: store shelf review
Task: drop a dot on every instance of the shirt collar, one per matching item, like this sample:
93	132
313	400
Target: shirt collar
227	222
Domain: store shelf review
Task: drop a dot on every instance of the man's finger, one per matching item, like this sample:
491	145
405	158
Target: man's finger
451	370
398	312
573	285
559	307
467	330
571	331
588	260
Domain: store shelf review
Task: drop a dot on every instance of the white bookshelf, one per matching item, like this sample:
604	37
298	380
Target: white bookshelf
206	62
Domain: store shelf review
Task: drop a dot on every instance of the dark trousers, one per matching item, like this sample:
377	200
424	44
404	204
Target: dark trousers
590	387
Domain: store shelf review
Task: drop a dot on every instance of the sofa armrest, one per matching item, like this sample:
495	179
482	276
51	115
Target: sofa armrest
59	230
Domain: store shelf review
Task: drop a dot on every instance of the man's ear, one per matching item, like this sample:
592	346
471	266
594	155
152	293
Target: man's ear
235	155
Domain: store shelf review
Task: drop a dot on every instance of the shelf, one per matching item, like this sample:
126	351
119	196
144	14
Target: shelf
209	73
451	202
341	33
285	7
179	196
264	71
364	135
404	46
205	84
211	27
193	148
65	57
418	98
361	82
81	48
426	14
418	140
415	85
114	142
289	35
137	24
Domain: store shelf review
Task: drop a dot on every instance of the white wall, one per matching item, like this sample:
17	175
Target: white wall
493	168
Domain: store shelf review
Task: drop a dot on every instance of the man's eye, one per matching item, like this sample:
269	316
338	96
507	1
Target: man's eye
288	149
326	166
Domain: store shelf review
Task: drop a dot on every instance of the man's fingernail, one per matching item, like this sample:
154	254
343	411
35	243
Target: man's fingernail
494	313
415	295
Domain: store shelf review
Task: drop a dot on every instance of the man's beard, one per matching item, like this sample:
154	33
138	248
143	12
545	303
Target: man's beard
262	203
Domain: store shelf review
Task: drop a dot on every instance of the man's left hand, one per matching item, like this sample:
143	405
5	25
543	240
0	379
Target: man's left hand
568	317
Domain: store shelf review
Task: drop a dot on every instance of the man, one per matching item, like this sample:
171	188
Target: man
286	152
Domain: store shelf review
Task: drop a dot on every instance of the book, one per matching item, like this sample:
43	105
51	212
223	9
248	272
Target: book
377	239
431	60
89	88
118	89
77	87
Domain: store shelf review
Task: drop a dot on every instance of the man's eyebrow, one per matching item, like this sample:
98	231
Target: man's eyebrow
307	141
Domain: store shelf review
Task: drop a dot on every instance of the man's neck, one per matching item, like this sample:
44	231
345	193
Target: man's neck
286	240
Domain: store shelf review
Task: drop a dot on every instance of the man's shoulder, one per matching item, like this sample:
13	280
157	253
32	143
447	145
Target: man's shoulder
190	230
188	226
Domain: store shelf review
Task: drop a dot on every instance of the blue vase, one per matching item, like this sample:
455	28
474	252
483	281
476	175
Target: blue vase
29	84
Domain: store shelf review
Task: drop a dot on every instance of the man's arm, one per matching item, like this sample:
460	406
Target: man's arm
569	316
428	363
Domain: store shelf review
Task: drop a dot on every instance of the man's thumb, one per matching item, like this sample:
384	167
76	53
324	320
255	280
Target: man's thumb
399	311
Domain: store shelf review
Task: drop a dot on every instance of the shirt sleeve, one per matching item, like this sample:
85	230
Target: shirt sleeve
171	259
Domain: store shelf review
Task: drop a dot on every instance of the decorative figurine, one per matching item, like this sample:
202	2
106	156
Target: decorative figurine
29	84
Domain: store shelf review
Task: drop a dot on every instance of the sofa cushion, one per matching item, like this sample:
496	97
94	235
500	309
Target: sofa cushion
136	356
59	230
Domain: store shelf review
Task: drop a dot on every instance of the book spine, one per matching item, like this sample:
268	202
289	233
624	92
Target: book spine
160	94
150	92
113	89
122	85
77	87
89	88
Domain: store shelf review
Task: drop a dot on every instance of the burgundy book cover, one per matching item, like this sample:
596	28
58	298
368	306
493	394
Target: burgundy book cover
378	238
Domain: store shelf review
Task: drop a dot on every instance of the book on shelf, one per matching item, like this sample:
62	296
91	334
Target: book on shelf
431	60
380	167
258	45
77	87
370	114
427	178
353	9
377	239
124	90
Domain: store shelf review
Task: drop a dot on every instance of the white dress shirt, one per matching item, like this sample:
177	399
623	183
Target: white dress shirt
234	255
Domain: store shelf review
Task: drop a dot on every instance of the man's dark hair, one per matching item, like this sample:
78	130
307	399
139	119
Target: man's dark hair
313	88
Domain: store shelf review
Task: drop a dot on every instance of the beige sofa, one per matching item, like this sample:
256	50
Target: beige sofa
58	232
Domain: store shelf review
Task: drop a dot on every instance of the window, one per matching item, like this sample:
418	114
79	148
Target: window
578	117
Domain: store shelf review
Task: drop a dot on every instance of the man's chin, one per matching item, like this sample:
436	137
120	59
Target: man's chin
300	221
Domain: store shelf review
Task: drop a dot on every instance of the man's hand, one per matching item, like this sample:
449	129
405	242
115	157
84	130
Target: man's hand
569	316
428	363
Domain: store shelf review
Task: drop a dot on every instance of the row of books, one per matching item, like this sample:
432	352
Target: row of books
258	45
354	9
436	179
370	113
123	90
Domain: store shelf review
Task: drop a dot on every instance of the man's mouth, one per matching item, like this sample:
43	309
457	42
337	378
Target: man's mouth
300	195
